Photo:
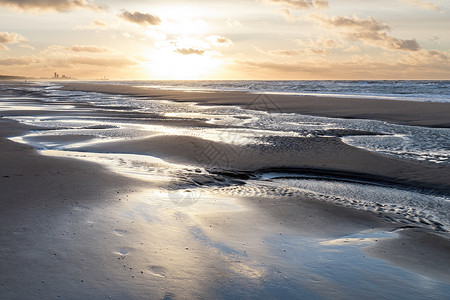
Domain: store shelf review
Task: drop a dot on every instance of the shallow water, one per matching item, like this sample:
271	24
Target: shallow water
262	260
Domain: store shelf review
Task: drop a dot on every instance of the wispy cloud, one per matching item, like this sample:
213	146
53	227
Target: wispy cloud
10	38
368	30
27	47
143	19
95	25
92	49
320	43
411	65
17	61
232	23
89	55
428	57
51	5
294	52
423	4
218	40
302	4
188	51
76	48
115	62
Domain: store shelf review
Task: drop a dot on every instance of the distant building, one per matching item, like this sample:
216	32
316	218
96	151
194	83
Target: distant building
57	76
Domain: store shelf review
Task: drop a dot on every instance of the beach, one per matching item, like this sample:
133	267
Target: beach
114	191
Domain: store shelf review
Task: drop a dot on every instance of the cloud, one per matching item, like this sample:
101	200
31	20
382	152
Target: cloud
92	49
76	48
295	52
411	65
232	23
427	57
296	68
352	48
423	4
435	39
139	18
70	56
11	38
17	61
302	4
218	40
51	5
286	13
115	62
27	47
96	25
368	30
320	43
188	51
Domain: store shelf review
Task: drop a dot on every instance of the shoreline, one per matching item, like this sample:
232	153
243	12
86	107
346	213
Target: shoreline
413	113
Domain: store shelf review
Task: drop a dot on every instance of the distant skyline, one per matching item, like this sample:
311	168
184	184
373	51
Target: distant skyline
199	39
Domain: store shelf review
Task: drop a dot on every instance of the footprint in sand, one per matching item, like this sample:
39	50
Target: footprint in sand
120	232
81	208
157	271
123	251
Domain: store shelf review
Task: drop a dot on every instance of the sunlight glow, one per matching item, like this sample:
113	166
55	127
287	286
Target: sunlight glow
167	64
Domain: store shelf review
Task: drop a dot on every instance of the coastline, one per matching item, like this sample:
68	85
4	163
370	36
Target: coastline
429	114
98	234
327	156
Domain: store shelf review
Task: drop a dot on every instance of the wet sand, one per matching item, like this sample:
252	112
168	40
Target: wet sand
398	112
73	229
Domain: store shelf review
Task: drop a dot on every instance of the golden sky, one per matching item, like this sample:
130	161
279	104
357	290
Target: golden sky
234	39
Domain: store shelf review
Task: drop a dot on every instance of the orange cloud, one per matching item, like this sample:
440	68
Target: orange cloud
320	43
423	4
368	30
55	5
414	65
139	18
302	4
115	62
55	49
188	51
218	40
92	49
11	38
295	52
17	61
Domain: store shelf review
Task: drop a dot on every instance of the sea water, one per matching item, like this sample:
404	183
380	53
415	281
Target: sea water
426	91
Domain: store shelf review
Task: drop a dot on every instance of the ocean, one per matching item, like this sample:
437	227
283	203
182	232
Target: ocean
427	91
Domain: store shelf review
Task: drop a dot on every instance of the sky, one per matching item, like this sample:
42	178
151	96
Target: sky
233	39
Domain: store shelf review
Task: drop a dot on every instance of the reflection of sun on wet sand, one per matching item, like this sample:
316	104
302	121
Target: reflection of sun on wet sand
201	219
